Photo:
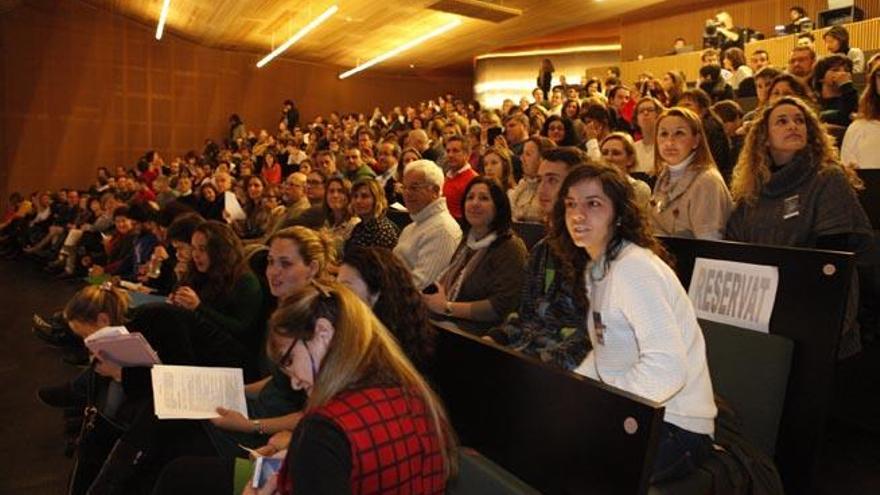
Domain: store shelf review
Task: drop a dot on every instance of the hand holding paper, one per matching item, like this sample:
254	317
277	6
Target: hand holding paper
191	392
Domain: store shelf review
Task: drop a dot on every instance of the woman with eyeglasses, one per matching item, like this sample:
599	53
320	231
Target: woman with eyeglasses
648	109
334	349
351	367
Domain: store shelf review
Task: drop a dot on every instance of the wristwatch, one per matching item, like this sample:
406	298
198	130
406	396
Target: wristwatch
448	310
258	426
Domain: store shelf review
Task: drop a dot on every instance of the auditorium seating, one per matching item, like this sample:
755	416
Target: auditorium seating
809	310
557	431
863	34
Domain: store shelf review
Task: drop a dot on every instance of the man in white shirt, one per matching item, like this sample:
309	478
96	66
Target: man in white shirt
426	245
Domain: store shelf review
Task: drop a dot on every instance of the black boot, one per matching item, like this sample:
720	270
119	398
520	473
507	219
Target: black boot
119	468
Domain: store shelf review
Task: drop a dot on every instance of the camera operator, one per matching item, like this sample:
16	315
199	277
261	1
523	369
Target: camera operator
721	33
800	23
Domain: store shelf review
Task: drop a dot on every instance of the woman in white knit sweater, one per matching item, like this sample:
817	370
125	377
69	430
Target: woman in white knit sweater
644	332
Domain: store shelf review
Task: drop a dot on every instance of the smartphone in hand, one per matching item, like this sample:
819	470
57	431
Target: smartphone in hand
265	468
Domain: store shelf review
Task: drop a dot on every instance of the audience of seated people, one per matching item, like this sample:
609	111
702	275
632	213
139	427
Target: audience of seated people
168	226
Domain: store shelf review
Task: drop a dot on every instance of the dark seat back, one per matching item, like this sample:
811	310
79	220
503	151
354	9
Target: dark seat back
557	431
755	391
530	232
478	475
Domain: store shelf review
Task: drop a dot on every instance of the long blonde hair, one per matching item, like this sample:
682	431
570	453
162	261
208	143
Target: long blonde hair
362	352
752	169
703	156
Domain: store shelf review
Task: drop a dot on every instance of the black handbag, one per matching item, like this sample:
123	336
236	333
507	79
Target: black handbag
97	437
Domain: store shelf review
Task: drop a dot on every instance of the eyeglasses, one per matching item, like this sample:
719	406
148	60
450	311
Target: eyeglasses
647	110
414	187
314	182
287	358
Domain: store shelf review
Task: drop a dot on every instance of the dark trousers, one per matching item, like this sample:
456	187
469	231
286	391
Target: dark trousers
680	453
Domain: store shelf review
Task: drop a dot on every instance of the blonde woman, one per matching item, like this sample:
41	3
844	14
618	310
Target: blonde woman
332	346
690	198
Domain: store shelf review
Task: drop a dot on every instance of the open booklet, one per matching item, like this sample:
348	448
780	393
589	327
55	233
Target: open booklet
195	392
122	348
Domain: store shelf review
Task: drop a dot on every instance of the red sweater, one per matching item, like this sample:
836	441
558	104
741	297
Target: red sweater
394	447
453	190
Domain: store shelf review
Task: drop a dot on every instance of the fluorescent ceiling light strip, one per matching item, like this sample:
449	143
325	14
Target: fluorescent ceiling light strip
552	51
162	18
299	35
400	49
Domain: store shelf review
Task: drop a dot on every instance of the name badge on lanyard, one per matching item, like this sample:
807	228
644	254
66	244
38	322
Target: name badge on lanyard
791	207
599	328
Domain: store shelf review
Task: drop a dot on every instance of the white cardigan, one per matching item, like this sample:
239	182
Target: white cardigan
861	144
651	344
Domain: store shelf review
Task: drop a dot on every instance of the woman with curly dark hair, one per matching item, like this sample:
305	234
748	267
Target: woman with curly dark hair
385	284
560	130
641	324
221	289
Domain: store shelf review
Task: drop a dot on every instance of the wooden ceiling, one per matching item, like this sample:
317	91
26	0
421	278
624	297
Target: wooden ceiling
363	29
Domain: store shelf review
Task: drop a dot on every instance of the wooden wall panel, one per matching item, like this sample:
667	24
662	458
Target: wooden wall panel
654	37
82	87
864	34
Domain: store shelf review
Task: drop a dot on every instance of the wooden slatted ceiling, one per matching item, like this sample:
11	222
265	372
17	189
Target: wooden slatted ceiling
363	29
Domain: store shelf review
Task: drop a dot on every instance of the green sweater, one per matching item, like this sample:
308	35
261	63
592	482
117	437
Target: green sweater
241	315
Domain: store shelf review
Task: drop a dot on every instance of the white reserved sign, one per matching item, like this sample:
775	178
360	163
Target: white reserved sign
738	294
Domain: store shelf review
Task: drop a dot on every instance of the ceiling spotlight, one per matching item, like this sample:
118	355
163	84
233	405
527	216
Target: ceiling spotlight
162	18
299	35
402	48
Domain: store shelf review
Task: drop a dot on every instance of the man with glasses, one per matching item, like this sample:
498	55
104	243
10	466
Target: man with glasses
426	245
293	195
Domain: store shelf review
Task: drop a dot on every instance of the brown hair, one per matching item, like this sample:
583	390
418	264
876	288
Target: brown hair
93	300
226	262
702	158
869	103
507	180
630	223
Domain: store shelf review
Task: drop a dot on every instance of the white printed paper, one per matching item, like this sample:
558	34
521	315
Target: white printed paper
192	392
234	212
737	294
